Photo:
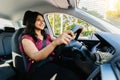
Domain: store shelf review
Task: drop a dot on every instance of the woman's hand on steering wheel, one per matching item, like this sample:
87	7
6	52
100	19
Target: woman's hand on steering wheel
67	38
64	38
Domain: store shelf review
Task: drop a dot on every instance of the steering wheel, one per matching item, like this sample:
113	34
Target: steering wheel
74	48
77	52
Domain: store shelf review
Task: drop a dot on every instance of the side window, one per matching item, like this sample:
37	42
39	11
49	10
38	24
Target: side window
61	22
5	23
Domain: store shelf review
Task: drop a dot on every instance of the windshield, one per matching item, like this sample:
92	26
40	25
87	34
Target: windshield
108	10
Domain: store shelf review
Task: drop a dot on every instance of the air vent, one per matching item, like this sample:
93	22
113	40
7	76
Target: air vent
111	50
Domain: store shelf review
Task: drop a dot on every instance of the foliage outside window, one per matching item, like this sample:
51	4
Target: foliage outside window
62	22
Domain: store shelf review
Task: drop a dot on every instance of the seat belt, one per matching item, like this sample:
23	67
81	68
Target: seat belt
44	43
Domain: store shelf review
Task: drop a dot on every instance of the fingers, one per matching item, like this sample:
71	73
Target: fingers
67	41
64	38
67	37
70	33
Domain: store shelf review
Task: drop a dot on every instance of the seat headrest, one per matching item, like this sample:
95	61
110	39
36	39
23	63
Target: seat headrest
1	30
9	29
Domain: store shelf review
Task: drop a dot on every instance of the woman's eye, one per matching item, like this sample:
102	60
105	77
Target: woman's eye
38	20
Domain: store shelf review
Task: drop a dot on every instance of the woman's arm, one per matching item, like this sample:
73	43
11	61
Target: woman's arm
32	52
52	37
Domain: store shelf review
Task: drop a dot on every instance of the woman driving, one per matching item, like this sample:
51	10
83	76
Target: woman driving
37	45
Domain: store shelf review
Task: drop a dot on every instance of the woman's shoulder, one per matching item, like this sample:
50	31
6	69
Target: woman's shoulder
26	36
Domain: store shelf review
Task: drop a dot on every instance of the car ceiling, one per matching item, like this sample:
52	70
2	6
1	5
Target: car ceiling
13	9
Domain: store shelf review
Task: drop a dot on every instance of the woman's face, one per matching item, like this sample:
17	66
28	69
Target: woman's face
39	23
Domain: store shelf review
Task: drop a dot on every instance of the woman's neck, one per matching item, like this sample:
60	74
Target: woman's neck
38	32
39	35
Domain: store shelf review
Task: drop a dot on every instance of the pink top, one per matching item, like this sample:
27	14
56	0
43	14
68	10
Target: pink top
38	45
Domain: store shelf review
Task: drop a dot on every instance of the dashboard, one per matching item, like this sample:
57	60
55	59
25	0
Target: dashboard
109	43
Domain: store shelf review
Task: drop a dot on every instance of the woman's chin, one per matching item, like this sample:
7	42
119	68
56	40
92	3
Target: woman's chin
39	28
42	28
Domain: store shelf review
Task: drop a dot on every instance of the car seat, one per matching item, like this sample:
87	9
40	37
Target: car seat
18	61
6	70
5	44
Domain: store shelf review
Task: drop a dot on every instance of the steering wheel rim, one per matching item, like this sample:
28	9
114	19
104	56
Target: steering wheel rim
74	46
76	29
77	51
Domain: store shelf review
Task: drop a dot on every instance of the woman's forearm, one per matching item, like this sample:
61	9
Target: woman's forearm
42	54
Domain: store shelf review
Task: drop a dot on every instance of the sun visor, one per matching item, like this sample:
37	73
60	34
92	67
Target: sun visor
65	4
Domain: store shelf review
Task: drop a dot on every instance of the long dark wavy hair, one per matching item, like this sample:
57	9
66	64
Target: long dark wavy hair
29	21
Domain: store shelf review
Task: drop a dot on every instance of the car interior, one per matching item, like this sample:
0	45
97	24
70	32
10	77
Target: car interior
82	55
5	39
6	51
